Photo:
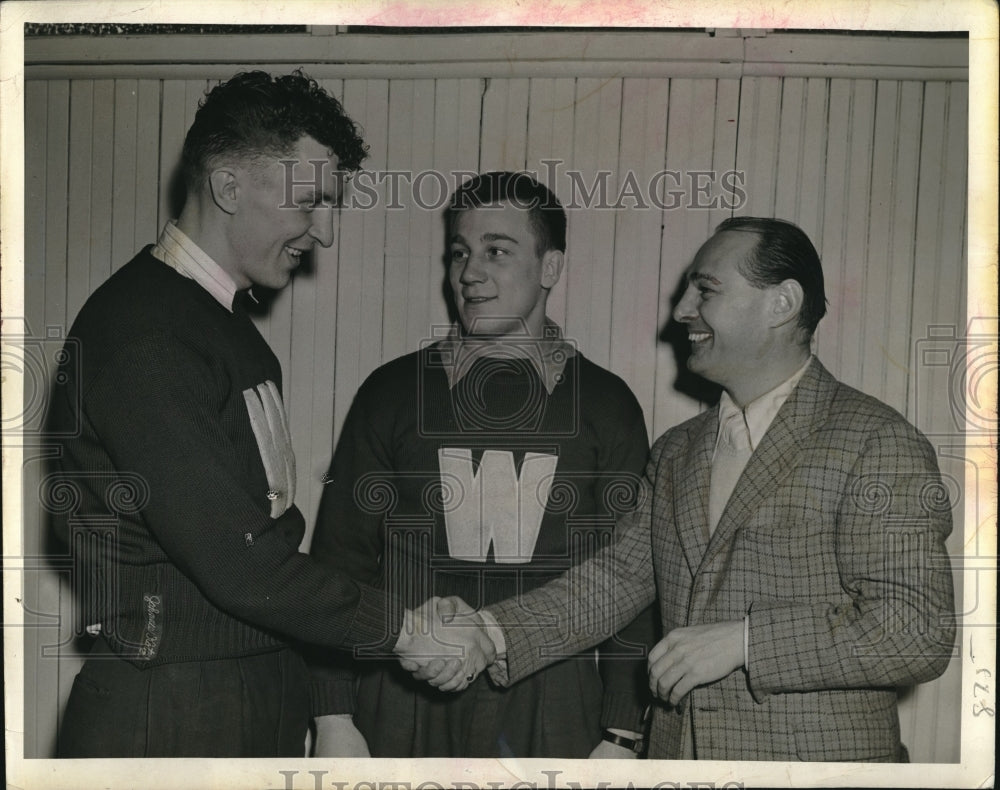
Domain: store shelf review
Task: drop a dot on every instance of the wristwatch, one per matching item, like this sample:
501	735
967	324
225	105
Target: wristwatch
633	744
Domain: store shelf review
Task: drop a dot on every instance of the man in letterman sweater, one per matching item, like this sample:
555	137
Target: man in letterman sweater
480	466
176	487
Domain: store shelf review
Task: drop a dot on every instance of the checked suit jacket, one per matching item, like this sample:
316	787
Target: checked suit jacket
832	543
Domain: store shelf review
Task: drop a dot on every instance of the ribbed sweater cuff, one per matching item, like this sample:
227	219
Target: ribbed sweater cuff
378	619
331	696
622	712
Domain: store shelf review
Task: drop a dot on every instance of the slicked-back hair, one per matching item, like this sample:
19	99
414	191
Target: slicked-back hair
548	219
783	252
255	115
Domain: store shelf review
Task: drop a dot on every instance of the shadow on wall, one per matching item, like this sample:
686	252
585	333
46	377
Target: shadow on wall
674	334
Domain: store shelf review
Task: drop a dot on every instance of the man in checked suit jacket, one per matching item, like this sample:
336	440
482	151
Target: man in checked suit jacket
825	584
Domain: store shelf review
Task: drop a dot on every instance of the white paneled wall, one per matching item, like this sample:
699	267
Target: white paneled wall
871	162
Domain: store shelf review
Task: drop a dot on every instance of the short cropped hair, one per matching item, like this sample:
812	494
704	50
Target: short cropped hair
783	252
255	115
548	219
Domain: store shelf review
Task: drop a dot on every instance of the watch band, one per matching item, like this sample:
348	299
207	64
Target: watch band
633	744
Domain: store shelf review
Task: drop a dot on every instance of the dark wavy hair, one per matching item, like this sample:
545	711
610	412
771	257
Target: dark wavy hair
783	252
254	115
548	219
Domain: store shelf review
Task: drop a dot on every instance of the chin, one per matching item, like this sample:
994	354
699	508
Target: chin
696	365
278	281
476	323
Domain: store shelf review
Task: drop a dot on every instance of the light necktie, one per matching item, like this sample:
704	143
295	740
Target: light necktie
731	456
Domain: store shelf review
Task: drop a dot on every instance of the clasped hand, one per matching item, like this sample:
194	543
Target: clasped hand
443	641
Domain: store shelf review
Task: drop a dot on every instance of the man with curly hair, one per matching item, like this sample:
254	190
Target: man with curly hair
198	597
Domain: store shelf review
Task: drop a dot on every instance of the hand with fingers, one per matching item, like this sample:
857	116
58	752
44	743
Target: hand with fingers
444	643
693	656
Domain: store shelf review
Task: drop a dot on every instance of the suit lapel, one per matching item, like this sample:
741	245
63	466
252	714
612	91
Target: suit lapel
692	472
778	452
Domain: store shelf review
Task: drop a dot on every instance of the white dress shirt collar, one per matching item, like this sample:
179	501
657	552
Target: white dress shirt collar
177	250
760	412
548	355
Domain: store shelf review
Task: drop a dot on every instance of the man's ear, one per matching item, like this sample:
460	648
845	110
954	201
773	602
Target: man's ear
552	266
224	183
787	302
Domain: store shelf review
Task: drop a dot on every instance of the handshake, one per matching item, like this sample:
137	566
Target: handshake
448	643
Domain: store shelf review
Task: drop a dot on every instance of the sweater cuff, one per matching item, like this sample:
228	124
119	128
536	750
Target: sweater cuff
331	696
621	712
378	619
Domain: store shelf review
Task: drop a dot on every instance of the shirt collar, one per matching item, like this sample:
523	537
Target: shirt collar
548	355
760	412
176	249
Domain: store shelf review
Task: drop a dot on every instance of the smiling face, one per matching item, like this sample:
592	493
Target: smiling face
499	279
283	207
730	322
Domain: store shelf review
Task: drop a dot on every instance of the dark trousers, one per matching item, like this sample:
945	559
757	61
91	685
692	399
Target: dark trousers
255	706
553	713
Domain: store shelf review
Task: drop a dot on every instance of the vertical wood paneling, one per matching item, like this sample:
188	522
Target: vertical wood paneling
634	329
397	222
726	121
832	248
355	347
899	235
856	210
701	139
57	678
504	125
550	126
172	130
811	175
938	298
758	151
596	137
56	221
953	223
790	150
878	288
456	151
40	704
126	144
924	404
147	161
81	166
424	269
951	286
102	183
35	179
873	171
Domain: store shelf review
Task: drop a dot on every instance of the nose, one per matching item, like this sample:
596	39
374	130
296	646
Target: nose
322	226
472	271
687	308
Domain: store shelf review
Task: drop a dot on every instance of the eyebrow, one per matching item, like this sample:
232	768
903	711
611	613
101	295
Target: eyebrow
499	237
458	238
324	197
701	277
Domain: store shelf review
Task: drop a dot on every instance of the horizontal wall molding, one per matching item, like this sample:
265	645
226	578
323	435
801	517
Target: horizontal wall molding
533	54
322	71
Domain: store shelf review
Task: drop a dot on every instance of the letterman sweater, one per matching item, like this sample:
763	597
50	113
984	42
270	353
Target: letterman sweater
485	489
169	409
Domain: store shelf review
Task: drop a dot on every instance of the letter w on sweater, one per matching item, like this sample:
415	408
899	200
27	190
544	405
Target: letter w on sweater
493	505
270	427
